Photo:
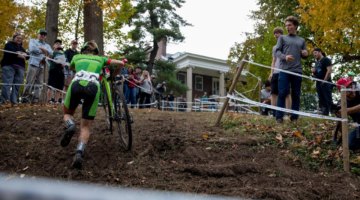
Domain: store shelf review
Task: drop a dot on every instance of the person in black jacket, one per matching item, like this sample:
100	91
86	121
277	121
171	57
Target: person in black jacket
69	54
13	67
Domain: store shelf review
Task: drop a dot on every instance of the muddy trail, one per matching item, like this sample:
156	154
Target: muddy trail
172	151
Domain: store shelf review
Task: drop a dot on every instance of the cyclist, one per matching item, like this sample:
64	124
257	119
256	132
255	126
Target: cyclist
85	85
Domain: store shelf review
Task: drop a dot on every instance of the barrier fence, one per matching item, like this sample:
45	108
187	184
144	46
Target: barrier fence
343	119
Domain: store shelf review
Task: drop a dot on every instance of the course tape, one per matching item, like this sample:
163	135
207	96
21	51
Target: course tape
289	72
47	58
285	110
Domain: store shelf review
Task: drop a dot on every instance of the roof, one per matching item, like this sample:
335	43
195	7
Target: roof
185	59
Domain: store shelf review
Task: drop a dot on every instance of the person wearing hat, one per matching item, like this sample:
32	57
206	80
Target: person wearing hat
56	73
13	67
322	70
69	54
38	50
353	109
84	86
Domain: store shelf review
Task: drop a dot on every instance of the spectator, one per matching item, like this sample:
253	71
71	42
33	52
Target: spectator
170	98
290	49
145	90
322	70
133	80
274	74
266	97
39	49
56	73
160	90
138	72
353	109
69	54
204	97
351	76
13	67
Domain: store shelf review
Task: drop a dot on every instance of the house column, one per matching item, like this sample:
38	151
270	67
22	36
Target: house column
189	83
222	84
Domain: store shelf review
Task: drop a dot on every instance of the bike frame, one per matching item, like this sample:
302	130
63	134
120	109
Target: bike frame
106	83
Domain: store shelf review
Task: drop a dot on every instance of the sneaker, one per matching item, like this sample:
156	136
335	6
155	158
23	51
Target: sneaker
68	133
78	159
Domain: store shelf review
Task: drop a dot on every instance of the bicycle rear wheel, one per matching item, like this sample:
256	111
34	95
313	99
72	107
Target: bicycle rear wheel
107	109
122	120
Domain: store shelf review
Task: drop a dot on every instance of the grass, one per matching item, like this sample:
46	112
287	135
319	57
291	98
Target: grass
308	140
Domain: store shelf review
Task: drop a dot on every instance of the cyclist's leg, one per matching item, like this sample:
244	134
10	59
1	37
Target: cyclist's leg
91	99
72	100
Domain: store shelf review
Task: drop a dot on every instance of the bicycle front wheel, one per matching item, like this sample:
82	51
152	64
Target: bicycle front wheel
122	120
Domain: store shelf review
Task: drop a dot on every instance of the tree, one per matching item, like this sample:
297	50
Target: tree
93	23
52	20
157	19
165	72
335	27
258	45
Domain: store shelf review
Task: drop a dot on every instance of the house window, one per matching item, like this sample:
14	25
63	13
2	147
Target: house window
181	77
199	82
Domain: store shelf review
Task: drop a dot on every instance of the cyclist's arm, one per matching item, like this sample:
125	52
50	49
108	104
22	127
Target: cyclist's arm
117	63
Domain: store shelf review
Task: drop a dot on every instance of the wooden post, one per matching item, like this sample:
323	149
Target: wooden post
260	87
231	89
345	133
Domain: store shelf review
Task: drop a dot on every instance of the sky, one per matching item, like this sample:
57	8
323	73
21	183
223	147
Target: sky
217	25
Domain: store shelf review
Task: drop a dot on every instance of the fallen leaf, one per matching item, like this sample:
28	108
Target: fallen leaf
298	134
279	138
205	136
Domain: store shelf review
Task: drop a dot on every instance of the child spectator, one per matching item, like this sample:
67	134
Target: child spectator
266	97
56	73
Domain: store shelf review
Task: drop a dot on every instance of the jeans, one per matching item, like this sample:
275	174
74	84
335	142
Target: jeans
324	91
354	139
285	82
131	96
35	76
11	75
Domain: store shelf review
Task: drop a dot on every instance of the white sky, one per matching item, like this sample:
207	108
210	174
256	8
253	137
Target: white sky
217	25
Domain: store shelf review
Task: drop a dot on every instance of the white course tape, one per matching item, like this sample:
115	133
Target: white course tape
52	88
47	58
350	89
20	84
286	110
289	72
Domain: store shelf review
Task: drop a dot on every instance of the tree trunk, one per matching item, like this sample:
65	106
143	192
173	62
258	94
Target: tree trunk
51	26
154	24
93	23
52	20
78	20
152	57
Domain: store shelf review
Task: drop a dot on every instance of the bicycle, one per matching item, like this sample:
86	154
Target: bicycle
116	110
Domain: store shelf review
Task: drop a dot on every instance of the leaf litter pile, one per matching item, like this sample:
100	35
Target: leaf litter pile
248	156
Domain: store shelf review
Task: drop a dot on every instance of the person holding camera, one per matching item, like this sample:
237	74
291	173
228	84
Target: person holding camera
160	90
353	109
322	70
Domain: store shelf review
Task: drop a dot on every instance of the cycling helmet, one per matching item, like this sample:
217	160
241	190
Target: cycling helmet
90	46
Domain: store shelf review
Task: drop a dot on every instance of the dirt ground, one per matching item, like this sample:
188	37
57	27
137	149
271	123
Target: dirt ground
171	151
